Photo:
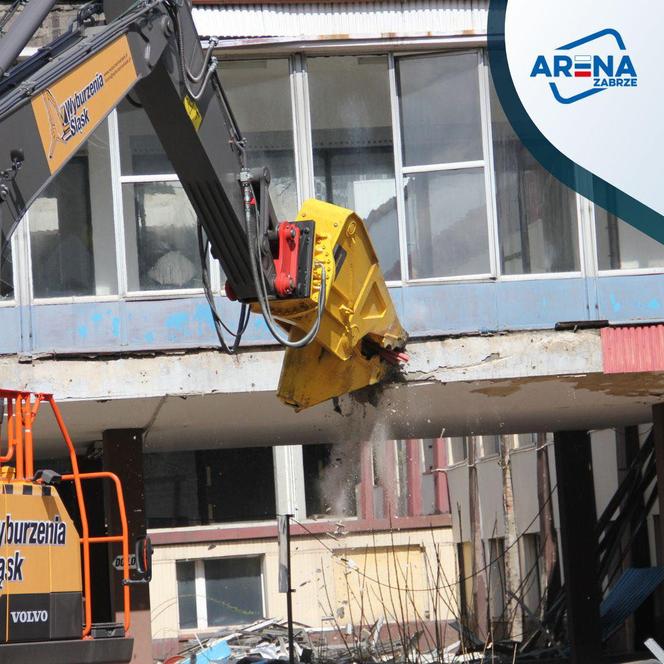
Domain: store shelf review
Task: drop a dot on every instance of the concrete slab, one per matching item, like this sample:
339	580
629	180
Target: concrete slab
511	383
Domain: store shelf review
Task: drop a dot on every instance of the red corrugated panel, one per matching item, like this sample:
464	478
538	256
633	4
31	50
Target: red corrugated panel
633	348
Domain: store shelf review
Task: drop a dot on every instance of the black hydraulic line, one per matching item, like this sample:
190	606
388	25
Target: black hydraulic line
33	64
245	312
41	80
24	27
253	222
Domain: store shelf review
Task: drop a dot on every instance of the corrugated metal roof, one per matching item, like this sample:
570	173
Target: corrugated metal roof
633	348
343	19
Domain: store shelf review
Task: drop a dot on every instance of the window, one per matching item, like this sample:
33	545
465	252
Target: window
209	486
496	585
524	440
530	571
259	94
443	165
219	591
537	221
623	247
416	144
73	250
331	477
171	490
457	449
160	224
488	445
160	229
353	148
6	274
236	484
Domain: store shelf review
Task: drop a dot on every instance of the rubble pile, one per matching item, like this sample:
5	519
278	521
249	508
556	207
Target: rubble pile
266	642
261	642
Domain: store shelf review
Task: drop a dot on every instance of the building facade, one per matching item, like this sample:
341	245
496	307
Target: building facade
505	279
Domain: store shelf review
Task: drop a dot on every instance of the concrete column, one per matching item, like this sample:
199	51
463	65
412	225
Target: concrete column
123	455
289	480
578	520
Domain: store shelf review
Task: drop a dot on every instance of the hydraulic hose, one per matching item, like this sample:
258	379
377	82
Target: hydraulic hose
252	222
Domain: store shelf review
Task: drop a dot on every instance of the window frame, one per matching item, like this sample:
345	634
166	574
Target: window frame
26	285
166	293
200	590
401	171
304	181
18	250
613	272
581	218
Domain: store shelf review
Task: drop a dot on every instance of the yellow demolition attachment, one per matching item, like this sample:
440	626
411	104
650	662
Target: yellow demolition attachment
359	321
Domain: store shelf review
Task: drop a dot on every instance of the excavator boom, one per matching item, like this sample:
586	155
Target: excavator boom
315	279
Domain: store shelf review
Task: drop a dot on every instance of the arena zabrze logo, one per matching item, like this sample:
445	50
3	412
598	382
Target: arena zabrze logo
584	71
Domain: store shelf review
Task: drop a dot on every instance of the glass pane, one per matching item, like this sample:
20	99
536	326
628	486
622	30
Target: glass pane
537	221
457	449
447	223
440	109
234	591
160	233
171	490
185	572
428	494
527	439
353	149
259	94
6	274
331	476
73	251
620	246
496	578
140	150
490	445
223	478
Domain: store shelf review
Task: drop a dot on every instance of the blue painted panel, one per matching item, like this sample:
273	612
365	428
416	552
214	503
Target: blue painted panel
396	293
185	323
451	308
79	327
632	298
425	310
537	305
455	308
10	326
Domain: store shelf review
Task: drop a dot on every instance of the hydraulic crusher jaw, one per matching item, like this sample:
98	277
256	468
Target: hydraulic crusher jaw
360	335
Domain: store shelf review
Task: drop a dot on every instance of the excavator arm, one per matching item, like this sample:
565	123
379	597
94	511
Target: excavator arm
315	279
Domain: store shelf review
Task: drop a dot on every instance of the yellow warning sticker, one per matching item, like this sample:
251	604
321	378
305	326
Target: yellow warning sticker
69	110
193	111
